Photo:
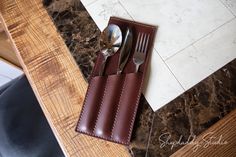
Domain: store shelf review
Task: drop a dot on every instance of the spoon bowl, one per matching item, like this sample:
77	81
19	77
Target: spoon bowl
110	42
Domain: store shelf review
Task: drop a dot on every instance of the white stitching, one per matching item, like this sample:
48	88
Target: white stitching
136	104
101	104
106	138
135	109
137	101
118	107
140	88
96	64
85	100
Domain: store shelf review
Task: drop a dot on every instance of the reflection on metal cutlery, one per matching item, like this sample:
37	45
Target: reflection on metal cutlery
110	42
140	50
125	50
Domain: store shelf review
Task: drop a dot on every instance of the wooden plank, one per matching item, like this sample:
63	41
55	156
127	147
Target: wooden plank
1	27
54	76
6	50
226	146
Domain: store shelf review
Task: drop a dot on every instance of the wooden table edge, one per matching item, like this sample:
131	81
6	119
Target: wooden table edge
20	19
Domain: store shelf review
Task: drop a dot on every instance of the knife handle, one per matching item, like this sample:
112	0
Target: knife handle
125	50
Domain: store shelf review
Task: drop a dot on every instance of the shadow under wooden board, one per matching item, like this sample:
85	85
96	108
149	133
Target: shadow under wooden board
6	50
60	86
191	113
218	141
54	76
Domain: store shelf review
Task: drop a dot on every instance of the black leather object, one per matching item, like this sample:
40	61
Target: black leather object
24	131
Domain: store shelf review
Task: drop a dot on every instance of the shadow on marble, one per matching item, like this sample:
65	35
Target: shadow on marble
142	128
194	111
81	36
191	113
78	30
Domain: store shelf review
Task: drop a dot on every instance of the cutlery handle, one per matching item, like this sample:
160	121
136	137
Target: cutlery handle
103	66
125	50
119	72
136	67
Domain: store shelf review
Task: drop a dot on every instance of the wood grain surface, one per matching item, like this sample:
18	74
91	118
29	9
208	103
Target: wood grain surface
217	141
6	50
1	27
54	76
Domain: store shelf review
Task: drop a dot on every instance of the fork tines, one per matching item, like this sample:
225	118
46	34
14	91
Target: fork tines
142	42
140	49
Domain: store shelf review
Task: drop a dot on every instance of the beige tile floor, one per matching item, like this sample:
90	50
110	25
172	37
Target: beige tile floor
195	38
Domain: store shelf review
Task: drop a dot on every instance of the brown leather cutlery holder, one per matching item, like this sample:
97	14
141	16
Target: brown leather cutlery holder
112	100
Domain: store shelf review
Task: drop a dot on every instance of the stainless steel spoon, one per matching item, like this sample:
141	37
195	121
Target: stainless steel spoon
110	42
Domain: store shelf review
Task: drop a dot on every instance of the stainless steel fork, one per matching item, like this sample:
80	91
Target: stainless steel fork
140	50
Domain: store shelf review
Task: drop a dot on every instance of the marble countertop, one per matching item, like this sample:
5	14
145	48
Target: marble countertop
194	39
189	114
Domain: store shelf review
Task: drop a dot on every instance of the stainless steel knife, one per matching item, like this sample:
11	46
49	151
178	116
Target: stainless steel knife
125	50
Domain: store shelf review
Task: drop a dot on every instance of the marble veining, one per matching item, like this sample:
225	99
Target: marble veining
109	9
102	10
191	113
181	22
80	34
194	60
195	110
231	4
182	25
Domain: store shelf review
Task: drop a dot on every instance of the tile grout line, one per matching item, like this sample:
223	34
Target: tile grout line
201	38
155	50
150	132
183	48
175	76
227	8
125	9
149	137
186	48
170	70
164	60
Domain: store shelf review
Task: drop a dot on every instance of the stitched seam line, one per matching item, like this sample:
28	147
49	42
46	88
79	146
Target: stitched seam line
85	102
135	109
136	105
130	125
101	104
106	138
118	108
95	66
